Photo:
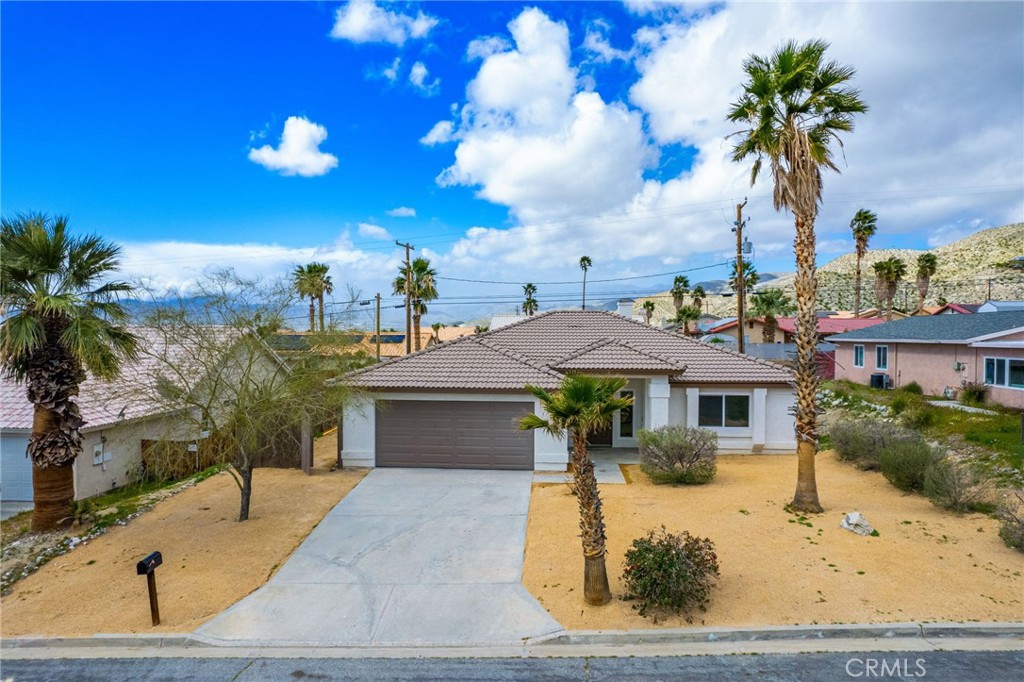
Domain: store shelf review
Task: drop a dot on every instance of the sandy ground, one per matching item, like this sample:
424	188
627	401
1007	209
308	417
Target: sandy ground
928	564
210	560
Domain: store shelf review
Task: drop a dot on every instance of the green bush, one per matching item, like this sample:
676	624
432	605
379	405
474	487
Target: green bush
678	454
670	574
954	485
898	404
973	394
914	388
862	441
904	461
1011	520
919	417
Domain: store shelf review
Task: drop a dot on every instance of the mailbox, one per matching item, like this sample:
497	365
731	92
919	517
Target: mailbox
148	564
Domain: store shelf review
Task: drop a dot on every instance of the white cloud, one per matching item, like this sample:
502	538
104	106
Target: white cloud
402	212
363	21
482	48
298	152
373	231
391	72
596	42
440	133
419	77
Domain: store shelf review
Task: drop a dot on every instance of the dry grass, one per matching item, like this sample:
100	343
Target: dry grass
927	564
210	560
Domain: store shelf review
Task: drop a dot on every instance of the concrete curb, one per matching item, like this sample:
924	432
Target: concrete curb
781	633
578	637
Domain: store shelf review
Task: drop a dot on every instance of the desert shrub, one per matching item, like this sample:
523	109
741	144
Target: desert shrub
914	388
678	454
862	441
1011	520
898	404
973	394
954	485
919	417
904	461
666	573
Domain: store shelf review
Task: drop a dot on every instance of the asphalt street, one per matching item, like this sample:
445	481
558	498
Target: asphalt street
952	666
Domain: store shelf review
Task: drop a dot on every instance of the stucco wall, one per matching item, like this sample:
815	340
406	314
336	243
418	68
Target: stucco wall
15	468
359	428
771	421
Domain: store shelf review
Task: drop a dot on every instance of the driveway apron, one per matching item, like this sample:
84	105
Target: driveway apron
410	557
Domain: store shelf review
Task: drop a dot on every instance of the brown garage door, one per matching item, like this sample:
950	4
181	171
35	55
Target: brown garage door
453	435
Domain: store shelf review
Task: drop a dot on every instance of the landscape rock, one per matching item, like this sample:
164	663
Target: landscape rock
856	522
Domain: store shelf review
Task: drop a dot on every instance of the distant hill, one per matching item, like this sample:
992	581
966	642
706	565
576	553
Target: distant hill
966	268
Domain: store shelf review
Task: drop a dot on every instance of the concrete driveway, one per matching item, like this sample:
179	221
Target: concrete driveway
410	557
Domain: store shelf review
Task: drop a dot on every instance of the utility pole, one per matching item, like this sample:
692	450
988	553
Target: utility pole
989	297
378	325
740	295
408	300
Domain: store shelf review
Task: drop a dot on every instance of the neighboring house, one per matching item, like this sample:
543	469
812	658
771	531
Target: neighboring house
1000	306
392	344
868	314
455	405
786	333
948	309
445	334
941	353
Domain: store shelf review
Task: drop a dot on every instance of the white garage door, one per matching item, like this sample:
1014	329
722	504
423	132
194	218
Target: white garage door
15	469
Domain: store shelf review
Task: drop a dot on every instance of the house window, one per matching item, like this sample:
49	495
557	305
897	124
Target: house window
858	355
728	411
881	357
1006	372
626	417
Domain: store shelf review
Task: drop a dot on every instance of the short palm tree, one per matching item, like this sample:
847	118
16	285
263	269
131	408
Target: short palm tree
794	106
62	321
863	225
304	280
888	275
750	277
422	289
770	304
927	265
685	315
699	295
585	264
680	288
583	404
529	302
648	310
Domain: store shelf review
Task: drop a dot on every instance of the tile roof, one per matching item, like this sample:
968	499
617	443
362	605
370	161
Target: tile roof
531	350
451	333
938	328
826	325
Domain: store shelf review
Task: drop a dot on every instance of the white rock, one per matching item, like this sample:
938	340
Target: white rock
856	522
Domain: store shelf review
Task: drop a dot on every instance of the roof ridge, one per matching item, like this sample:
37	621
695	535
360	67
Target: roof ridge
593	345
518	357
651	354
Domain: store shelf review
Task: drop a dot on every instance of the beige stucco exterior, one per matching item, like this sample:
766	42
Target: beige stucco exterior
934	366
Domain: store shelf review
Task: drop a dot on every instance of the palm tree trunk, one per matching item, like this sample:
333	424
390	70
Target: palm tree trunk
53	493
320	300
53	479
856	289
595	573
922	291
584	289
806	416
768	331
312	314
416	329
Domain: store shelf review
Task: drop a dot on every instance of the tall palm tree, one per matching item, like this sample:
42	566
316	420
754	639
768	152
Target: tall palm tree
685	315
648	310
422	289
699	295
680	288
529	303
62	321
583	404
795	106
770	304
304	280
927	264
863	225
585	264
888	274
750	277
321	284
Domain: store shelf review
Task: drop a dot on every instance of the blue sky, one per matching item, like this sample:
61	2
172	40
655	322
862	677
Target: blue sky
558	129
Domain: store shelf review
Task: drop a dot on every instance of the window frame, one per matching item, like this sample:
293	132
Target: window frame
721	426
858	347
1001	367
878	349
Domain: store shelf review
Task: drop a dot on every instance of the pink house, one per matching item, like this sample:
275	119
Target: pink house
941	353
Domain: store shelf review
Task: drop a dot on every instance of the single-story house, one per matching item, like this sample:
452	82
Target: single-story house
442	334
948	309
456	404
1000	306
786	332
940	353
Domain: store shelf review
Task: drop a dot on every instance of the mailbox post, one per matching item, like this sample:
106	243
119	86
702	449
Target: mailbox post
147	567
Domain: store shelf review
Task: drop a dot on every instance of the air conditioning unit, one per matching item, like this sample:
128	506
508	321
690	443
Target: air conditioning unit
959	366
880	380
